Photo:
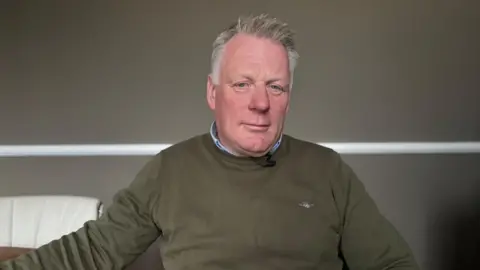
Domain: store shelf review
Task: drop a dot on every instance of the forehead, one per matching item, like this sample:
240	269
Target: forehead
249	54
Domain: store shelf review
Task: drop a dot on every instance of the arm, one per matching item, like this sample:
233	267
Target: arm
7	253
113	241
368	239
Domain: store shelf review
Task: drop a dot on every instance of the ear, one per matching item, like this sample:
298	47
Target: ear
211	92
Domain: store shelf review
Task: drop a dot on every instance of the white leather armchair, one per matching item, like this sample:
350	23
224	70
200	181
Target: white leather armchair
32	221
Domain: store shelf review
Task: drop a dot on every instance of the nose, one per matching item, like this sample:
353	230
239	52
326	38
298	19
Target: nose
260	100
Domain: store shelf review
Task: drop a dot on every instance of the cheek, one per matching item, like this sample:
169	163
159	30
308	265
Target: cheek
230	109
235	103
279	110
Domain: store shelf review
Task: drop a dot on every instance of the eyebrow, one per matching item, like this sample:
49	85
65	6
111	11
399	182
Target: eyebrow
250	78
273	80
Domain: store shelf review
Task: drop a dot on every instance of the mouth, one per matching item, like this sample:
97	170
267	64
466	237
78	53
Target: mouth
255	127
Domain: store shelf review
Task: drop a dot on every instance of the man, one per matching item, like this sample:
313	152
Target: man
244	195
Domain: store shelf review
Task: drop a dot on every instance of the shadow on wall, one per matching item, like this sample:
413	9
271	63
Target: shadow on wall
457	238
464	250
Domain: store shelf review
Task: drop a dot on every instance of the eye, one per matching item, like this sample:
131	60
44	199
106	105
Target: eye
277	89
241	86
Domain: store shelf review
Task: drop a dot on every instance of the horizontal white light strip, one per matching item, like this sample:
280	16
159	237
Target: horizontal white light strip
152	149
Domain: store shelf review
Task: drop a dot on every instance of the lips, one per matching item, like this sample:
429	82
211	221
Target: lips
255	127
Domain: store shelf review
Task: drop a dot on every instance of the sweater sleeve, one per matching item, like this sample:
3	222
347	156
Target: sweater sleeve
122	233
368	239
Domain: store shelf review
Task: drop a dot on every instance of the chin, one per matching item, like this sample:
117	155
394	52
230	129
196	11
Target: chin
257	147
253	152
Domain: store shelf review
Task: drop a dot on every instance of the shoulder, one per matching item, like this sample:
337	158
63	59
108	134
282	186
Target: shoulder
186	147
178	152
326	165
170	158
306	149
319	160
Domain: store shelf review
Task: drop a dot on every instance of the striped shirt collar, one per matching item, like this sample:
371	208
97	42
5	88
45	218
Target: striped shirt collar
216	140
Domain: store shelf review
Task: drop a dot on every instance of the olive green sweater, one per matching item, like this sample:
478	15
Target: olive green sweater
215	211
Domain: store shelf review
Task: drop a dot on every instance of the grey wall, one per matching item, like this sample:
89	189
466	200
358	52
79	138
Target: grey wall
136	73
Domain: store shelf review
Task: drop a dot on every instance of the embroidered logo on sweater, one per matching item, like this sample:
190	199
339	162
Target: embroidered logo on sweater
306	204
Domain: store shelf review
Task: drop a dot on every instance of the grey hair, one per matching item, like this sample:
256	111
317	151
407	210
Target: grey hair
264	26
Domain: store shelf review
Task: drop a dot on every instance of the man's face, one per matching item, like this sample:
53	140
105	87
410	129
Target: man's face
252	96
